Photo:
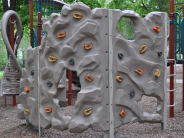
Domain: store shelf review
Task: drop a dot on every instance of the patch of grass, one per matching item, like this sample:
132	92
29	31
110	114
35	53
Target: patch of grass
1	74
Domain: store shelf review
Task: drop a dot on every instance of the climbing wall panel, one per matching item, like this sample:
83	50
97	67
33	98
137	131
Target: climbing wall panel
141	64
78	40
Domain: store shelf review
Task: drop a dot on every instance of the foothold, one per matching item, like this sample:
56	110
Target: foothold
157	73
89	46
8	69
139	71
71	61
88	111
32	72
159	53
8	79
18	79
27	89
156	28
27	111
143	49
61	35
48	109
119	78
52	59
49	84
122	113
120	55
16	70
77	15
7	89
132	93
89	78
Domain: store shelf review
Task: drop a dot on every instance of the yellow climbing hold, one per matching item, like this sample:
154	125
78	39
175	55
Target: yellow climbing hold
143	49
52	59
122	113
156	28
119	78
157	73
27	111
27	89
77	15
88	111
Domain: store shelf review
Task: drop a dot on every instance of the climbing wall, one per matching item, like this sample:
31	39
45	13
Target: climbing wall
78	40
139	67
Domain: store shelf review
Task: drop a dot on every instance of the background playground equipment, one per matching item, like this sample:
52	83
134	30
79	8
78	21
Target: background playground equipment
10	84
103	102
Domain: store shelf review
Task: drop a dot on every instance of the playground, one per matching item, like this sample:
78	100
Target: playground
16	128
92	69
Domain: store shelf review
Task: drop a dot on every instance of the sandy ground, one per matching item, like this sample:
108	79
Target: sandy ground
12	127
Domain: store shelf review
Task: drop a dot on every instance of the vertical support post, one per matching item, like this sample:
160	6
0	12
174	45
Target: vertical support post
12	46
39	28
171	57
164	123
183	58
31	22
70	88
111	122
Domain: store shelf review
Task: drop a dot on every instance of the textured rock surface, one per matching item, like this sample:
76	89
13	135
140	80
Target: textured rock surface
92	28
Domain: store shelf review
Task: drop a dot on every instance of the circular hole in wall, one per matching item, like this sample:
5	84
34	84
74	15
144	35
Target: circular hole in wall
126	28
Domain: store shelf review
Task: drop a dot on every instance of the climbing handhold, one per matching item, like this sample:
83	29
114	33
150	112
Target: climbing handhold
52	59
49	84
8	79
71	61
159	53
16	70
88	111
119	78
48	109
89	46
157	73
132	93
143	49
156	28
139	71
77	15
27	89
27	111
122	113
120	55
32	72
61	35
18	79
89	78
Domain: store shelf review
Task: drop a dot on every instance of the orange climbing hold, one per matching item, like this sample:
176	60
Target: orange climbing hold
77	15
119	78
156	28
48	109
143	49
89	46
52	59
139	71
122	113
61	35
27	89
89	78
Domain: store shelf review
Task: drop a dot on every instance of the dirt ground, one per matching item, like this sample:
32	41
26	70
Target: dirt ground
12	127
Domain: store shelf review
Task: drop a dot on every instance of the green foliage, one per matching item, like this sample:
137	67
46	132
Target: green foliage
1	75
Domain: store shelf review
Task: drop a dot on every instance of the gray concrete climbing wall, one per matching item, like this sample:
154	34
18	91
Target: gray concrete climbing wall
78	40
141	63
